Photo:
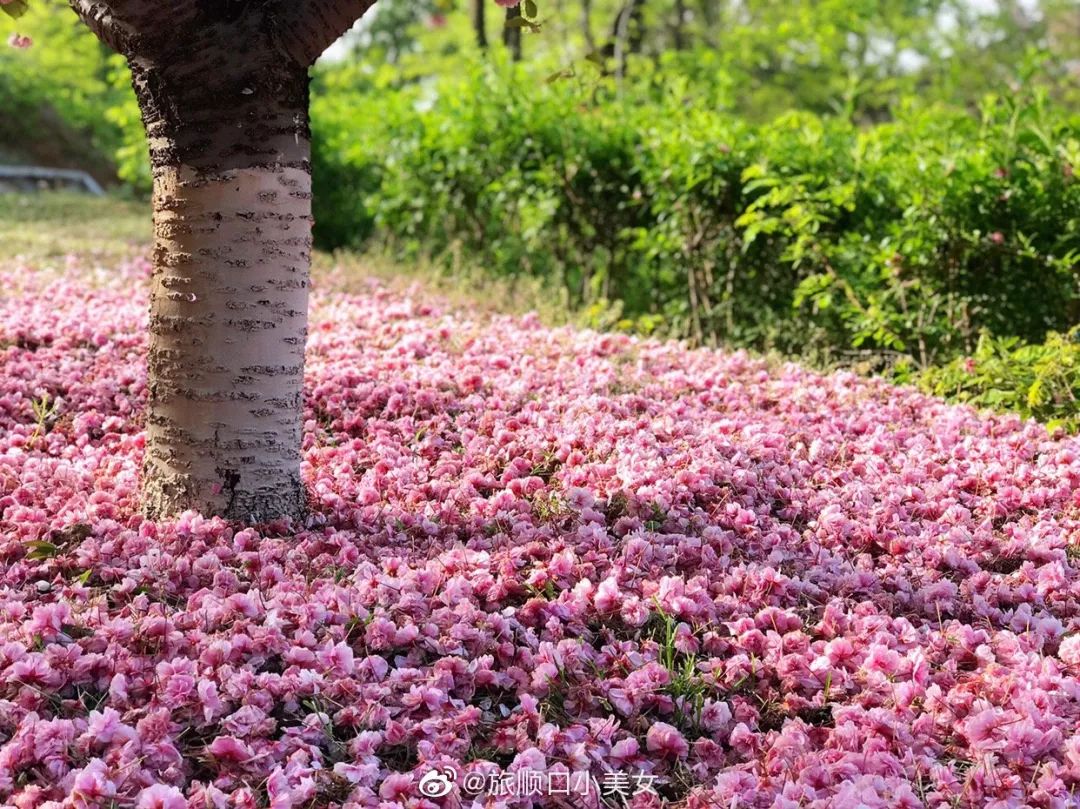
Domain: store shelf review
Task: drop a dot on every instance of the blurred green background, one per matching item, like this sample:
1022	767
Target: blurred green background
887	185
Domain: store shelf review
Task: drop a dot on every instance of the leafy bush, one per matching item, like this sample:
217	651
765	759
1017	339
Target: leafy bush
1035	380
807	234
54	95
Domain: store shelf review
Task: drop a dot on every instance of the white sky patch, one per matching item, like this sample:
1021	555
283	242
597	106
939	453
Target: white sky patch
340	49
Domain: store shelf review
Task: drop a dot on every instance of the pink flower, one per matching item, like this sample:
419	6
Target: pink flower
118	689
208	697
607	598
397	786
623	752
981	729
160	796
1069	650
339	659
882	660
230	749
879	584
666	740
107	727
19	40
431	699
634	612
34	671
530	759
839	650
91	786
245	604
48	620
715	715
742	740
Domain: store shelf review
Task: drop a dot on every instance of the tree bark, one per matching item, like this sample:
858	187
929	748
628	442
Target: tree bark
228	308
228	323
479	20
627	37
224	101
223	89
678	40
512	33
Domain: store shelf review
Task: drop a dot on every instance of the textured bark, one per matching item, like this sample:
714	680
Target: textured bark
223	89
99	18
229	146
309	27
228	325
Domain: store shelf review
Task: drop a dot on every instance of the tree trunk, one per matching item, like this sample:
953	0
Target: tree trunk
678	40
230	150
223	89
480	23
711	18
586	26
512	32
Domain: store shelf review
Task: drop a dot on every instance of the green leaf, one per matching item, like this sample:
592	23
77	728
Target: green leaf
16	8
519	22
566	73
1036	394
753	171
41	550
529	7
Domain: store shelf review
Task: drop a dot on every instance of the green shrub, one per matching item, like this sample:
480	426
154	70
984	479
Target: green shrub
53	96
806	234
1040	380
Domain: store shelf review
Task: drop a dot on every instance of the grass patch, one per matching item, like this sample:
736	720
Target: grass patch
47	226
463	285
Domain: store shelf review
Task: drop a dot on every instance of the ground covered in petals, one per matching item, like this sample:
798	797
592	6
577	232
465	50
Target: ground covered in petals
691	576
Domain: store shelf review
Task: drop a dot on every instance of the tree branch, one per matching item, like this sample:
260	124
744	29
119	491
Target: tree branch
131	27
98	17
306	28
302	29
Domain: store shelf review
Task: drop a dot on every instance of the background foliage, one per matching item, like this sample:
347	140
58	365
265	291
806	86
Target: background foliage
59	98
808	233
